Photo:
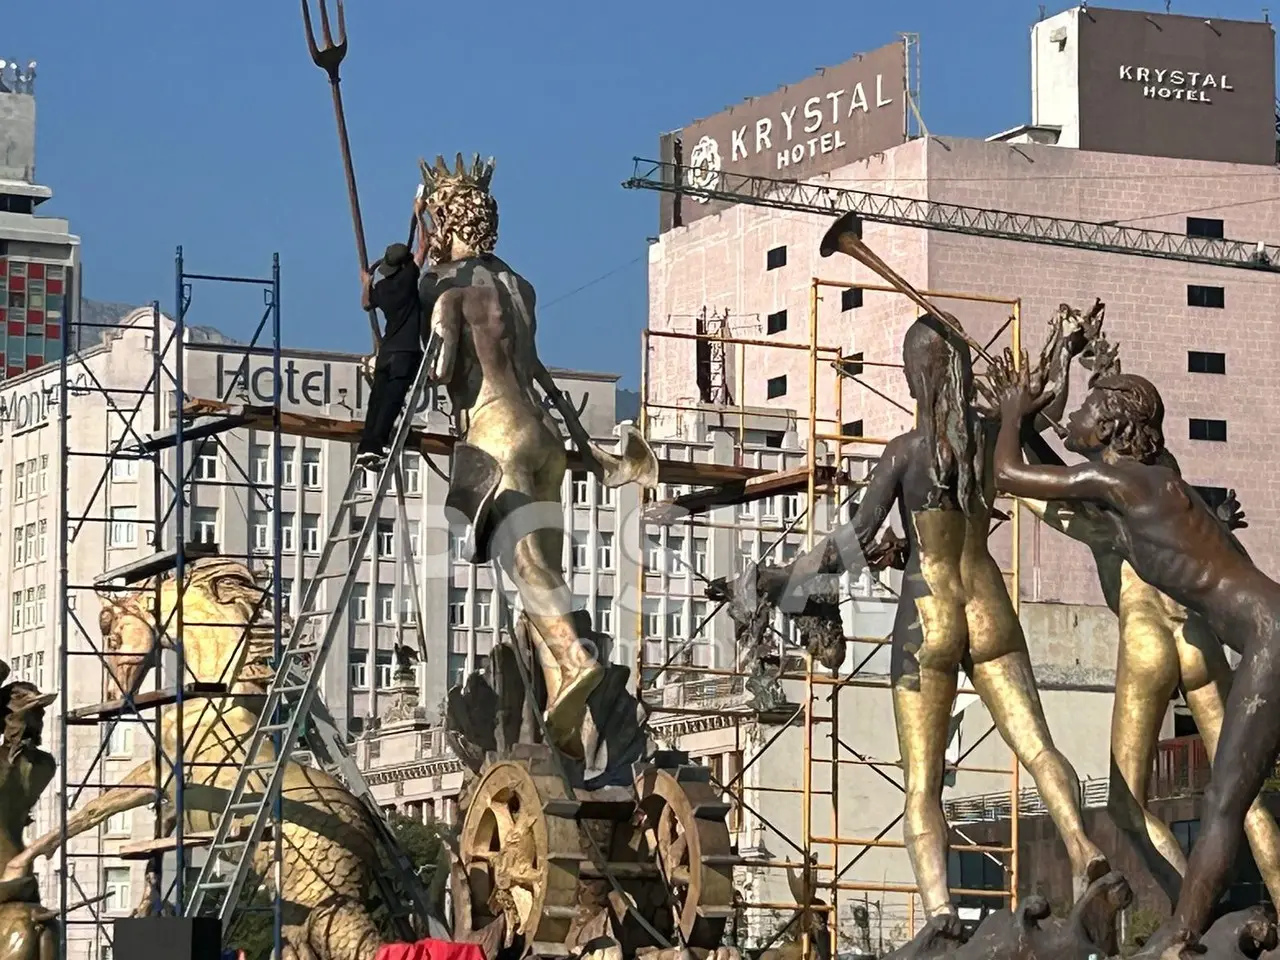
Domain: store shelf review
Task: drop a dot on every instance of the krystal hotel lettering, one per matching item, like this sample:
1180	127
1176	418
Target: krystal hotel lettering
799	138
1192	86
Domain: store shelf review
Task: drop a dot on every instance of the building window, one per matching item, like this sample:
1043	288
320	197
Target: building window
790	506
1215	430
457	668
850	298
386	671
415	539
675	623
776	387
1185	832
606	496
204	524
775	258
360	603
604	614
261	457
287	521
42	608
581	489
675	547
1199	295
120	824
358	670
581	555
700	554
1204	227
1201	361
124	468
408	610
29	535
124	528
652	621
604	551
776	322
206	465
261	526
19	482
386	603
365	480
653	556
120	740
386	538
851	364
311	469
484	608
15	619
1213	497
457	540
115	884
311	533
851	428
44	474
457	607
286	597
413	474
287	455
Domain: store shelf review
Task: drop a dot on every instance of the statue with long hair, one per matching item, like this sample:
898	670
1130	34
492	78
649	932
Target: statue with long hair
955	611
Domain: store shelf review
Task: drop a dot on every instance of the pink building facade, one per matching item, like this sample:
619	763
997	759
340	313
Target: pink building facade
1214	363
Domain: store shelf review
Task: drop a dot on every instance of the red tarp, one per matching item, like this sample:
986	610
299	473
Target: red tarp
430	950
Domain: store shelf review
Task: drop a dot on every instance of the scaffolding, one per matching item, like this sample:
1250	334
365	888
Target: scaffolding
113	397
831	477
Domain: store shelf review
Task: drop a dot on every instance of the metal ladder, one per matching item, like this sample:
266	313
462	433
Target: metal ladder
292	692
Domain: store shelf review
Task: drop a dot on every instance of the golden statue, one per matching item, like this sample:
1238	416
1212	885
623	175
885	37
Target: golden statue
510	462
1162	646
955	611
26	928
330	845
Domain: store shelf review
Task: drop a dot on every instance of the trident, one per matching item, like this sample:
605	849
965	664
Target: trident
329	58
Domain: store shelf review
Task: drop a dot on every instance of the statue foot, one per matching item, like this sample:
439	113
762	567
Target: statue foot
565	713
1097	868
1170	942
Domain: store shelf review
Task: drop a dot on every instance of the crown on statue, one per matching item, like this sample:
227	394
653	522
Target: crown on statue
476	175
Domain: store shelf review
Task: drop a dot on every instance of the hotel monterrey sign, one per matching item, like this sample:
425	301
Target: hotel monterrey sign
833	118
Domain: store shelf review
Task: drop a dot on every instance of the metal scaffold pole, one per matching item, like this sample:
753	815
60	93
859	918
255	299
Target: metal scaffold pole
123	579
828	470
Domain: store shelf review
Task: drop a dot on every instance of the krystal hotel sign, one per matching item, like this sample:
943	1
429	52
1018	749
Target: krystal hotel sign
839	115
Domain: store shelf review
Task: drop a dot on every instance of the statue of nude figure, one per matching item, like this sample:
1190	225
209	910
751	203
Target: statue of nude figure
1174	542
482	315
1162	646
954	612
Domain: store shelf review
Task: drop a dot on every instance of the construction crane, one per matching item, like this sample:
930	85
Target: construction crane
818	198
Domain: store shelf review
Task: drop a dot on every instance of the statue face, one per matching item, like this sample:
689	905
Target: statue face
1082	425
130	650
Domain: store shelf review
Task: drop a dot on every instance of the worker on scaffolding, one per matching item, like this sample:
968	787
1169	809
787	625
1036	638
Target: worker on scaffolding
400	351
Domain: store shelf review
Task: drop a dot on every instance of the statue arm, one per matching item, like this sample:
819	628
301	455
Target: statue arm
447	317
1085	481
135	790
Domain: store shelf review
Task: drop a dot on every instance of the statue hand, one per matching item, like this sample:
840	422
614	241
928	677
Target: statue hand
1230	512
1079	330
889	553
1018	389
1101	357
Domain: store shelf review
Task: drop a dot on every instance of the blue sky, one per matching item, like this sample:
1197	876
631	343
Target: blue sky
205	124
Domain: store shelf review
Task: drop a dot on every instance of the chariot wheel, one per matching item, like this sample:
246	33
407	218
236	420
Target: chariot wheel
515	859
681	827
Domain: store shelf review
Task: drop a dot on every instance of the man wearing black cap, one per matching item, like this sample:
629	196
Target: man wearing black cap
400	353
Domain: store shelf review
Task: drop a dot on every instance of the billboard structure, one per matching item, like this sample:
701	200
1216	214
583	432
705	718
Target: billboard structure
1157	85
838	115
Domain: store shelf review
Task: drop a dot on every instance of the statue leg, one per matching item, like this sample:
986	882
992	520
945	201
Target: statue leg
929	642
1206	679
135	790
1146	675
1002	676
529	532
923	718
1248	743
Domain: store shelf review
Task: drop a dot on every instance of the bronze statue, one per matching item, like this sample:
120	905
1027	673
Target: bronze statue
1162	646
955	611
26	928
1174	542
510	462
